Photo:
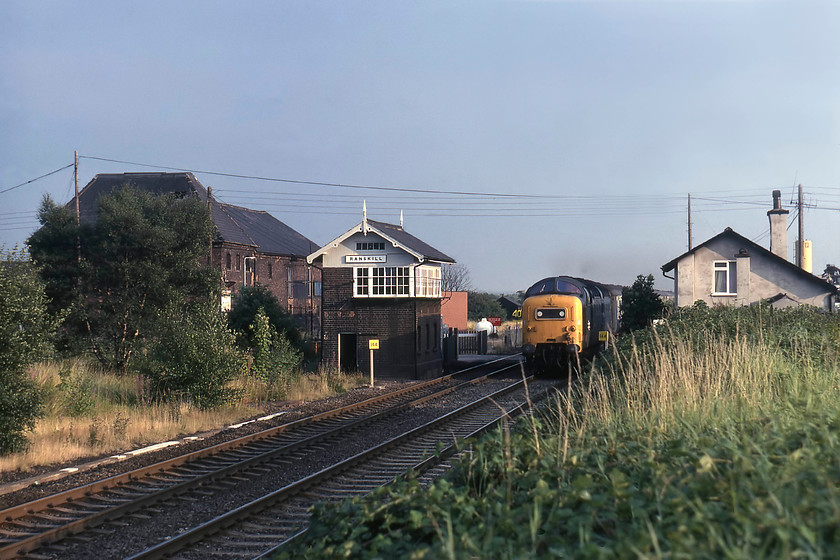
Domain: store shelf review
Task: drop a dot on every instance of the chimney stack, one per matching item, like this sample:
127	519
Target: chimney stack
778	227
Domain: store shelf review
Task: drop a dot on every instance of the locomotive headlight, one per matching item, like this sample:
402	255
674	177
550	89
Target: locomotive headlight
539	314
572	328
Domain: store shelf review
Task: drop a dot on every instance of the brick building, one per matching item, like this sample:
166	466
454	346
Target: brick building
249	247
381	283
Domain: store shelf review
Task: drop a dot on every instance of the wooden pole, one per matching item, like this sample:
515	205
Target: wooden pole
210	208
78	213
800	243
689	222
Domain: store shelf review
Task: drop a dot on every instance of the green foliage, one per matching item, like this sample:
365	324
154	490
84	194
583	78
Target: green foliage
274	356
193	357
78	392
750	474
56	251
26	334
640	304
144	254
482	305
246	304
804	334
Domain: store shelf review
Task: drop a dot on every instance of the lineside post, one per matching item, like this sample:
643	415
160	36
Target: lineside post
373	344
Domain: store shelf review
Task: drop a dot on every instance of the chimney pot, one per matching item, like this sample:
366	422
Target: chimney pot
777	200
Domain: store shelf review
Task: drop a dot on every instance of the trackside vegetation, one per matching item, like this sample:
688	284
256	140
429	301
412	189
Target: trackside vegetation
112	336
714	435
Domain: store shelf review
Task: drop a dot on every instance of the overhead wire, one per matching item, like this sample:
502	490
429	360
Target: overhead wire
36	179
431	202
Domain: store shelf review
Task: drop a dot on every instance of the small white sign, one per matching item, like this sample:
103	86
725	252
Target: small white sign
352	259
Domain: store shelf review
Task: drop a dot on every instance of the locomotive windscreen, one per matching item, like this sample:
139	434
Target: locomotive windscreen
553	286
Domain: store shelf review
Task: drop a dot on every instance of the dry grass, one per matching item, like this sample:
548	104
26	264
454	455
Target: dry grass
90	413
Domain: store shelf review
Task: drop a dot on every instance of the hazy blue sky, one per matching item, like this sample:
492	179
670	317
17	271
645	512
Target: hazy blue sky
602	116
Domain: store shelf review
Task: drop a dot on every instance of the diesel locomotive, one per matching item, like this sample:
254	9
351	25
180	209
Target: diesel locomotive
565	319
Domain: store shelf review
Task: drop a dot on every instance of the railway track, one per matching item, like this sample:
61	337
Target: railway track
281	515
275	457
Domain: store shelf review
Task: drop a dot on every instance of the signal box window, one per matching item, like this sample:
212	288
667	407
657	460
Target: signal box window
370	246
383	281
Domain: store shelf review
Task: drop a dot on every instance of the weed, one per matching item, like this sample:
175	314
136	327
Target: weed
95	432
120	426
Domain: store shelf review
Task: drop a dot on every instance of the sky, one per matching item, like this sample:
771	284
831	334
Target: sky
525	139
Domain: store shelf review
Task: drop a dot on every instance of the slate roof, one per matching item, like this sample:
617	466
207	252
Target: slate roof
234	224
754	249
260	229
398	234
155	183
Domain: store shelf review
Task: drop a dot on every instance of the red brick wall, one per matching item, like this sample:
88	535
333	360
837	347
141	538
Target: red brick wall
408	329
453	310
274	272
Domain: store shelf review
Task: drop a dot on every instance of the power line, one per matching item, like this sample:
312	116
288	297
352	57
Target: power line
319	183
35	179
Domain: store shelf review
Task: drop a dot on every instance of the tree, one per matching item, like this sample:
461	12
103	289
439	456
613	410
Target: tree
481	305
55	247
144	254
640	304
26	331
455	278
247	303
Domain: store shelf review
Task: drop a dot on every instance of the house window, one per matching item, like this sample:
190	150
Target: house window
726	279
428	281
238	261
370	246
383	281
227	261
270	271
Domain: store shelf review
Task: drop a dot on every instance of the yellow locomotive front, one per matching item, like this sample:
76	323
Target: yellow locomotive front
552	328
564	318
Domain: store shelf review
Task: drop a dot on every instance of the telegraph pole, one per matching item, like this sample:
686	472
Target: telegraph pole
800	243
689	222
78	214
210	208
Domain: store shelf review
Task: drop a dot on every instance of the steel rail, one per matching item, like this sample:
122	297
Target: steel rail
107	509
244	512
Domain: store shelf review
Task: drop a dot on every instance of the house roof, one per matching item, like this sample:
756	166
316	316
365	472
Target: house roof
155	183
234	224
260	229
753	249
393	233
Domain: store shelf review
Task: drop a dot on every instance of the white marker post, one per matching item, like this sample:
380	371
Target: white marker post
373	344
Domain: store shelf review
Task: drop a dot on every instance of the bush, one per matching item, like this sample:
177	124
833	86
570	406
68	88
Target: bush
247	302
26	334
273	354
193	357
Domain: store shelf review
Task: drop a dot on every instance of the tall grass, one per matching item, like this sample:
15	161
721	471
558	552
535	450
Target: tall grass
90	412
715	436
